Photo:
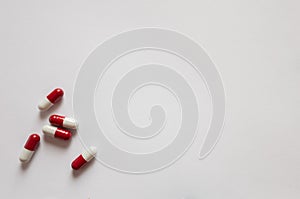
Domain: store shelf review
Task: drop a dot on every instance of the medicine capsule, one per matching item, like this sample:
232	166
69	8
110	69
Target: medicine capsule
51	99
83	158
29	148
62	121
57	132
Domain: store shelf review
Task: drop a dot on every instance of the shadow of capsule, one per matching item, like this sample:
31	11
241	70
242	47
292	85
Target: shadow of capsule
58	142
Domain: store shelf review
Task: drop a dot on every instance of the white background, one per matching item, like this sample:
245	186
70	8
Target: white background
255	45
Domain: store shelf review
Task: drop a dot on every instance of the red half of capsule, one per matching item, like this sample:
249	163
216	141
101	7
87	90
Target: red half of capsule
32	142
57	120
78	162
63	134
55	95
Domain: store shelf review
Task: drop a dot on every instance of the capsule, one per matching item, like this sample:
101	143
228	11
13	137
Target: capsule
83	158
51	99
56	132
63	121
29	147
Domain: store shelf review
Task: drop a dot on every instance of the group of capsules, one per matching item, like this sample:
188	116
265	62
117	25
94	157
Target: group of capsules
59	128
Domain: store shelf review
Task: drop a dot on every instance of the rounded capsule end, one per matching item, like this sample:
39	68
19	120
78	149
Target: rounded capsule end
59	92
35	137
55	95
44	105
23	160
93	150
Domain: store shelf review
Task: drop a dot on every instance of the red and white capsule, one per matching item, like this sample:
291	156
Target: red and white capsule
56	132
51	99
29	147
63	121
83	158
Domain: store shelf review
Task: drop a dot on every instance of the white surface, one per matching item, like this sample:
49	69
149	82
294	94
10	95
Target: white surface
69	123
49	130
45	104
89	154
25	155
255	45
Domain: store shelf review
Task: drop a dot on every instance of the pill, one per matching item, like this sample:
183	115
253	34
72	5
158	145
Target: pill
63	121
83	158
56	132
51	99
29	147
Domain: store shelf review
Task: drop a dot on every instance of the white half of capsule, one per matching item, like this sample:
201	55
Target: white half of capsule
25	155
45	104
70	123
49	130
90	153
